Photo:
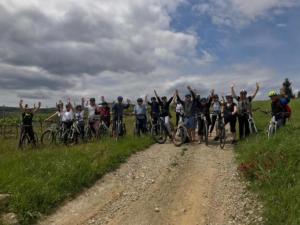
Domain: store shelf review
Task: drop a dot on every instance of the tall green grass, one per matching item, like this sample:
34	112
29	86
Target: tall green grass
41	179
273	167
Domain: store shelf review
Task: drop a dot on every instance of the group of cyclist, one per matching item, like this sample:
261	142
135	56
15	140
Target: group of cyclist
191	111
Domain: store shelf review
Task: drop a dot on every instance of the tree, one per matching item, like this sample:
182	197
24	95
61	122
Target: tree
287	89
298	94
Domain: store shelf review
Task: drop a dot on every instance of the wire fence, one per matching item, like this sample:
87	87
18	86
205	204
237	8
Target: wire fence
13	130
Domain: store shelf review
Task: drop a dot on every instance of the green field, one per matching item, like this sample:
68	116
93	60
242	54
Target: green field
273	167
40	179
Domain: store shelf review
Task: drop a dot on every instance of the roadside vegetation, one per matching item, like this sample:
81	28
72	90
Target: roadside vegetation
273	167
40	179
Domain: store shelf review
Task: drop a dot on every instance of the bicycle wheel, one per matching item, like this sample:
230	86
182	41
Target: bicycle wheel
271	131
60	137
24	141
47	138
88	134
222	137
254	128
159	134
103	131
180	136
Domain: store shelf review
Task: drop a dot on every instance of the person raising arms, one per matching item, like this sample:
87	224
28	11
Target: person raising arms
154	109
203	108
244	109
27	117
189	108
165	110
216	111
118	112
229	110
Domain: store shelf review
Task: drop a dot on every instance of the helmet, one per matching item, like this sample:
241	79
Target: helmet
120	98
243	91
139	100
272	94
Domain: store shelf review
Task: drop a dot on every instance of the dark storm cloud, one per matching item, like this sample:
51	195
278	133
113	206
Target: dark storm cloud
15	78
77	44
34	95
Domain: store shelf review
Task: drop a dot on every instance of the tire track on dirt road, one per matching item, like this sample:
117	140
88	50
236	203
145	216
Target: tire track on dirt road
165	185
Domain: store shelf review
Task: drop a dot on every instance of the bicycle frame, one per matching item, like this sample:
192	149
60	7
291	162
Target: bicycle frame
272	129
252	125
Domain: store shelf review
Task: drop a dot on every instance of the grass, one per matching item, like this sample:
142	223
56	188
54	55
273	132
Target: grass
273	167
39	180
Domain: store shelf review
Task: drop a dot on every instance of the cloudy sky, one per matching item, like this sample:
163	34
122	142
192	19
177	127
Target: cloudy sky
53	49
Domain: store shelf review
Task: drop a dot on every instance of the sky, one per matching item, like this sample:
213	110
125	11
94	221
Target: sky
51	50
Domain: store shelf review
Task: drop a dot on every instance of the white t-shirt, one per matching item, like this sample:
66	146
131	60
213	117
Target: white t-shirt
67	116
79	116
179	108
91	111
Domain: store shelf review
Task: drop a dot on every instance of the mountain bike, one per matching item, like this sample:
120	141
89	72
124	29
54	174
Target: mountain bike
62	135
252	125
48	136
221	131
181	134
202	118
274	124
103	130
160	132
25	140
119	128
90	132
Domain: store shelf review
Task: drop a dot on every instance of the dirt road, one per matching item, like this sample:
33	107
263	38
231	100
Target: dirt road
165	185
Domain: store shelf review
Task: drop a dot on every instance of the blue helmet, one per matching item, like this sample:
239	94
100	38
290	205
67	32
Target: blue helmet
120	99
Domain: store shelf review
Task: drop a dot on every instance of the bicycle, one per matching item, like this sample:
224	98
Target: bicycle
221	131
181	134
48	136
25	140
160	131
89	132
103	130
252	125
273	124
202	117
119	128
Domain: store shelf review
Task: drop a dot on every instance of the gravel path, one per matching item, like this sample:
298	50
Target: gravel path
165	185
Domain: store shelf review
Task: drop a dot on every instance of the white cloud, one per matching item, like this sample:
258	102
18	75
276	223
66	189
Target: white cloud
84	41
239	13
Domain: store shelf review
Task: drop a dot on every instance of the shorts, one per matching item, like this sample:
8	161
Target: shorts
190	122
232	122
